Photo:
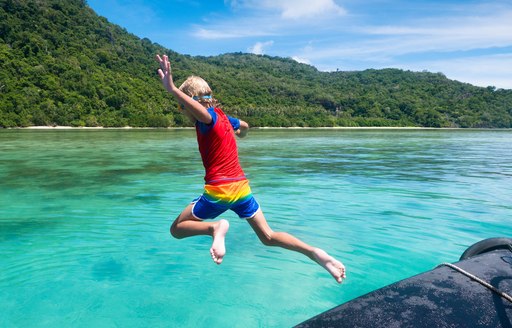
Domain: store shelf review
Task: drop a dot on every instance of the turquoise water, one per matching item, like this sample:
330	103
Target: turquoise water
84	218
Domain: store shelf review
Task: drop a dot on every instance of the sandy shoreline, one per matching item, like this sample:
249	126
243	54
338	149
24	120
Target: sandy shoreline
94	128
252	128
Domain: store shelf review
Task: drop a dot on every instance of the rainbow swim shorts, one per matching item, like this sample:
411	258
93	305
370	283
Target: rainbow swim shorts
217	199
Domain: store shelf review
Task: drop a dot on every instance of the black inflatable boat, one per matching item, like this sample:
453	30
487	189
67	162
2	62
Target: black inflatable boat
474	292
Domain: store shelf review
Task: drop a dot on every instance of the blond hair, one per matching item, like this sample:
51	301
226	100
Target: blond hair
197	88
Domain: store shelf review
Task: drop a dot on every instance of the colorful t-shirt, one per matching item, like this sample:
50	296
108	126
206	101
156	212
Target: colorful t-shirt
218	148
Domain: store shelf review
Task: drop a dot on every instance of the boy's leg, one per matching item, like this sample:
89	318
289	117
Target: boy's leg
282	239
186	225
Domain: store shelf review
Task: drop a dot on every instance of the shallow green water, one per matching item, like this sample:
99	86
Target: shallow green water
84	218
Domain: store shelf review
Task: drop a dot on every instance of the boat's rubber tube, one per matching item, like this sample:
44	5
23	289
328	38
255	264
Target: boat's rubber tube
487	245
442	297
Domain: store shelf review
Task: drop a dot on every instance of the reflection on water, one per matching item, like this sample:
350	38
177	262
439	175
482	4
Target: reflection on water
84	218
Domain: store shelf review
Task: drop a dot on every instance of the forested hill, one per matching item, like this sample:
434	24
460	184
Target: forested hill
62	64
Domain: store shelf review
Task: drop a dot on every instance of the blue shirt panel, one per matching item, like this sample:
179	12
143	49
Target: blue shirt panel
204	128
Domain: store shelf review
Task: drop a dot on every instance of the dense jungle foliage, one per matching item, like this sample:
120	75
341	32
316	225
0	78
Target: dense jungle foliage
62	64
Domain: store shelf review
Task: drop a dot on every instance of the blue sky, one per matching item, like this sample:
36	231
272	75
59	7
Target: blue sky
467	40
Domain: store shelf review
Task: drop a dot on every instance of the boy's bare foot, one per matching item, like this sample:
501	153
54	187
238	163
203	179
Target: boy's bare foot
218	249
335	267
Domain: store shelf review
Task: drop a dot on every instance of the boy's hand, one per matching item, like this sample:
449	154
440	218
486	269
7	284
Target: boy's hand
165	72
242	131
194	110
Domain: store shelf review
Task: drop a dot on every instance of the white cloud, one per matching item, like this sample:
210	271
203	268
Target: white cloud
491	70
437	36
228	32
462	33
301	60
291	9
257	18
297	9
257	48
238	28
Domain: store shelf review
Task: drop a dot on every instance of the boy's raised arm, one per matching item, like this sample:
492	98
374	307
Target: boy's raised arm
194	108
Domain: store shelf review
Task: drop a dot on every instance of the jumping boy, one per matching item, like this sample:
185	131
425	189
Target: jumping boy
226	186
